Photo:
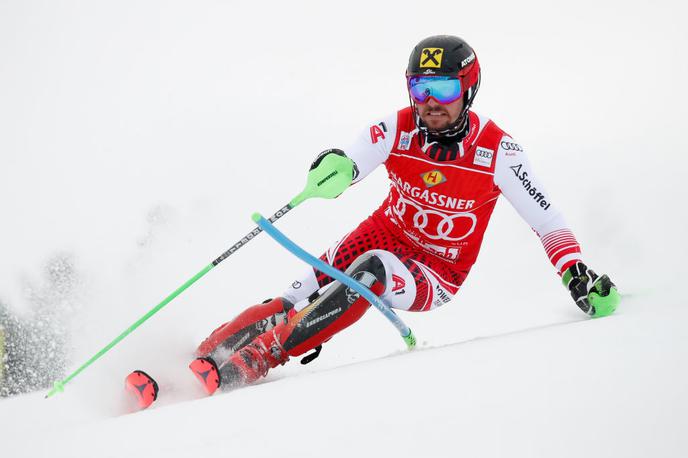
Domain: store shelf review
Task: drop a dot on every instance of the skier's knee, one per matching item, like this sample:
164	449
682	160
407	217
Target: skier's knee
369	264
336	309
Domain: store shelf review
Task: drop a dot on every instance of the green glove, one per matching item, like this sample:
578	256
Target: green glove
330	175
597	296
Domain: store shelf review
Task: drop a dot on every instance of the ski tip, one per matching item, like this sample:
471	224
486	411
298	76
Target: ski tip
256	217
143	387
206	372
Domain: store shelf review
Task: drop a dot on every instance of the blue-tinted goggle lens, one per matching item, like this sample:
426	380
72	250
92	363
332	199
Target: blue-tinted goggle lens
444	89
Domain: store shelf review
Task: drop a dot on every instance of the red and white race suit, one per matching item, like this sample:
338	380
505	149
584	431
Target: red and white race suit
429	229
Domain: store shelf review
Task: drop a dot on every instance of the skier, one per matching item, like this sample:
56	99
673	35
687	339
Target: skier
447	166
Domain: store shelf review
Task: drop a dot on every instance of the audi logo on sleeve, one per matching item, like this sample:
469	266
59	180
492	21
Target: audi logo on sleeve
509	146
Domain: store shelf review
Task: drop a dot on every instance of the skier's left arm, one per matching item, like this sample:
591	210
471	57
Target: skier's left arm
369	150
595	295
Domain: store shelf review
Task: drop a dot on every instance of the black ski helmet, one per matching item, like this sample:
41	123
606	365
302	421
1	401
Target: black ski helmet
447	55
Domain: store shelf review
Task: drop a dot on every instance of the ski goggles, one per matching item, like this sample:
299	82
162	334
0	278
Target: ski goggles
444	89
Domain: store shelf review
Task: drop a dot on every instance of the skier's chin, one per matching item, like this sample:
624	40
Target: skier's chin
437	122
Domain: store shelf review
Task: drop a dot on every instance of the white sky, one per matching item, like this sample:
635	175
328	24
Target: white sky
139	136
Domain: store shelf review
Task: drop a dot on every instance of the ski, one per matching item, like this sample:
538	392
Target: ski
143	388
207	373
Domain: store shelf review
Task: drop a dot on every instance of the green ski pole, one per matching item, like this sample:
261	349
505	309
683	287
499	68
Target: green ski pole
329	179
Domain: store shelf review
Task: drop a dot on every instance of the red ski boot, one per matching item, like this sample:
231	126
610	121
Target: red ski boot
305	330
249	324
242	368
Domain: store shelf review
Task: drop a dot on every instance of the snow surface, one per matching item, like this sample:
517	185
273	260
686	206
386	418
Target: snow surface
137	137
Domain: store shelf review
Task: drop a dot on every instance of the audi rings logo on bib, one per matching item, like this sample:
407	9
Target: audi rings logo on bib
434	224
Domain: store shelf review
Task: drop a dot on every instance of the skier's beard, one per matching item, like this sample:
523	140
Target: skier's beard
435	118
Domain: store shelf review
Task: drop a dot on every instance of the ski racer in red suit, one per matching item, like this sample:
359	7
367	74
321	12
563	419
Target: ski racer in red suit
447	166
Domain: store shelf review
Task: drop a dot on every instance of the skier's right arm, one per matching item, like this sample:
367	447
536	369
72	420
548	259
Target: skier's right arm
595	295
369	150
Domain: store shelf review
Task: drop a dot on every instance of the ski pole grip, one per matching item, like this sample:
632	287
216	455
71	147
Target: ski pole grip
330	178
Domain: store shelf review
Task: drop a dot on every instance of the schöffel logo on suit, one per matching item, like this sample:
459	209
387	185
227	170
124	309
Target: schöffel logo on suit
483	157
522	176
